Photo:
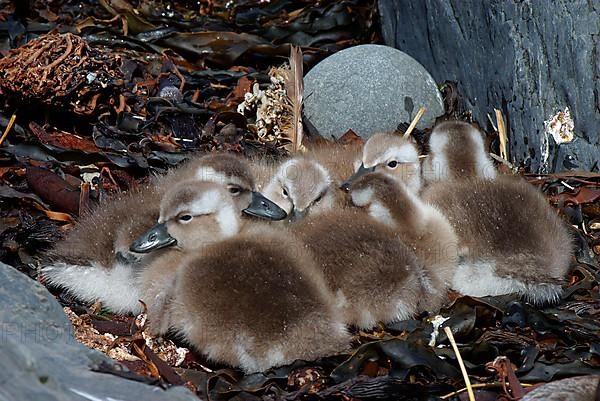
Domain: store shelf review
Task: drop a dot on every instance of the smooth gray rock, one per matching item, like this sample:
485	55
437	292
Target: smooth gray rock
581	388
529	58
40	360
369	89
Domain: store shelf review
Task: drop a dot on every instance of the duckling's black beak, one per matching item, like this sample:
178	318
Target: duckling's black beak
155	238
264	208
298	214
362	170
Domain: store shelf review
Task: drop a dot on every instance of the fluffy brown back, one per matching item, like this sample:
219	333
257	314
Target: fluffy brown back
365	264
109	227
509	220
251	302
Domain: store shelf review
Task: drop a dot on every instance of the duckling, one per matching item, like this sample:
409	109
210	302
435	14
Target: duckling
511	240
239	295
94	262
456	151
420	225
301	186
375	276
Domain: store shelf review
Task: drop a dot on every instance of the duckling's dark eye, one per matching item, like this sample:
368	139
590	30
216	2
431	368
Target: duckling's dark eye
284	192
234	189
393	164
186	218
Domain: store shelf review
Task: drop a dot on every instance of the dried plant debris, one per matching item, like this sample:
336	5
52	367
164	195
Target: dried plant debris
61	70
271	107
126	340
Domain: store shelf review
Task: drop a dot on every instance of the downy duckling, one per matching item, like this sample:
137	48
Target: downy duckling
457	151
239	294
375	276
420	225
511	240
94	262
301	186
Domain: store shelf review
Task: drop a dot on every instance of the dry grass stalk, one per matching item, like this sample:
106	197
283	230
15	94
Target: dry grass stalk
9	126
502	134
414	122
463	370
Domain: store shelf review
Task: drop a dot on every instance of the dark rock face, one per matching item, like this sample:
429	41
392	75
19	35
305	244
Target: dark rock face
528	58
40	360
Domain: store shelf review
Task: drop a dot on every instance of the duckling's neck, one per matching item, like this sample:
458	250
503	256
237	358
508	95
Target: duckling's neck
399	208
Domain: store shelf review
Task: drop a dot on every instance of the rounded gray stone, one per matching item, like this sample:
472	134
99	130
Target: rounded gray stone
369	89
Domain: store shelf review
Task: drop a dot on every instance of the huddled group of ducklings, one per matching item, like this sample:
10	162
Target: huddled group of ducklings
357	236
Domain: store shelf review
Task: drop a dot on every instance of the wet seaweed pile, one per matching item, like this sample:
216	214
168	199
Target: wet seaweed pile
97	96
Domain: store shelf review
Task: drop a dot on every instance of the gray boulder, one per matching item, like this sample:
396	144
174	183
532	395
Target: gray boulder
369	89
581	388
40	360
529	58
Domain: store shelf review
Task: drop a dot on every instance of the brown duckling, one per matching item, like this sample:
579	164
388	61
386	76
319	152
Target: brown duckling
420	225
510	240
375	276
241	294
94	262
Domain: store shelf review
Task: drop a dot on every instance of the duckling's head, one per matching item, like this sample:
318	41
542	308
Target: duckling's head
388	201
457	151
193	214
393	156
234	173
372	190
301	186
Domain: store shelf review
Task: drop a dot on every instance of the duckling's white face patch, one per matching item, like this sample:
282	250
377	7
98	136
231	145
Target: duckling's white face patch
207	203
399	162
485	165
212	202
362	197
436	167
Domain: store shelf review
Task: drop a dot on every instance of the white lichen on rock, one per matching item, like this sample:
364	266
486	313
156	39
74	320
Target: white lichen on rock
561	127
